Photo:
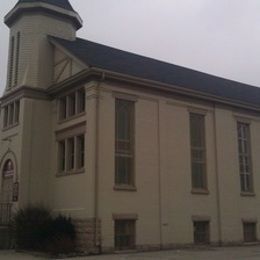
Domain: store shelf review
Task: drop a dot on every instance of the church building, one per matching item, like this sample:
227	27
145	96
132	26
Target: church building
141	154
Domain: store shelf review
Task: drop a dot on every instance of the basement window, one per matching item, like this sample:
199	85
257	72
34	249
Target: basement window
201	232
249	232
124	234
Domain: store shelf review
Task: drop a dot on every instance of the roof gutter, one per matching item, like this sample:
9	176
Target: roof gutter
174	89
155	85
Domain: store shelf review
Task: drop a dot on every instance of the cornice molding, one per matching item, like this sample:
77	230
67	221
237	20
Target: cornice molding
102	75
22	8
24	92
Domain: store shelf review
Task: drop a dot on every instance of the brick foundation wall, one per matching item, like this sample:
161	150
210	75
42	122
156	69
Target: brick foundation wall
88	239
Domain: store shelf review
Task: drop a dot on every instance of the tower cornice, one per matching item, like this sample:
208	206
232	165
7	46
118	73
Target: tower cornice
30	7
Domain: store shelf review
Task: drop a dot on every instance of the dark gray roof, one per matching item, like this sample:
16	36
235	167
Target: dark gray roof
104	57
60	3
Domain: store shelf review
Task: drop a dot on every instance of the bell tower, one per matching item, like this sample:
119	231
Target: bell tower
31	22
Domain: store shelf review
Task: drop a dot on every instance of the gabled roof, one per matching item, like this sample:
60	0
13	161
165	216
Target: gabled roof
104	57
65	4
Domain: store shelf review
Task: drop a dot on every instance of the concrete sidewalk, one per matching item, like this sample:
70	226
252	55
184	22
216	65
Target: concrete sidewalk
224	253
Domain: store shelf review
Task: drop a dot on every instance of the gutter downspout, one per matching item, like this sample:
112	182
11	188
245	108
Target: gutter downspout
96	179
217	180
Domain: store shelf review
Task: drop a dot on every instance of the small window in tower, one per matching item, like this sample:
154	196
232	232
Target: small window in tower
16	111
17	58
11	114
5	116
11	63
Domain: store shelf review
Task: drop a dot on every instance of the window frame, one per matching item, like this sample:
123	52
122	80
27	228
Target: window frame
71	167
244	142
202	148
17	58
129	231
127	151
11	62
247	236
69	105
206	233
11	114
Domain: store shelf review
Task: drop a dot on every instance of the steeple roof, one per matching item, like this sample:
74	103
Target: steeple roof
65	4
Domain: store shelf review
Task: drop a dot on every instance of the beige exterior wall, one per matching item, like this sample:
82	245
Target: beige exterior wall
163	202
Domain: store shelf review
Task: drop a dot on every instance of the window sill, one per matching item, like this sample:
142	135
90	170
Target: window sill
125	251
119	187
247	194
69	118
200	192
70	173
253	243
10	127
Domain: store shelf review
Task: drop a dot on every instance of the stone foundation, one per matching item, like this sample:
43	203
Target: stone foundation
88	235
5	238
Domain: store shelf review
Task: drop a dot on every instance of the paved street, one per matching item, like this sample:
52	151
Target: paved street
230	253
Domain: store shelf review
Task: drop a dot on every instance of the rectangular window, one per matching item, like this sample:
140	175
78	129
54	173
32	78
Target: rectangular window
124	142
16	111
11	114
17	57
72	104
81	101
62	156
71	153
63	108
249	232
80	151
124	234
11	63
198	151
244	149
201	232
5	116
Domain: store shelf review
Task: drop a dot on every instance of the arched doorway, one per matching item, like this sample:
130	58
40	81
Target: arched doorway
7	182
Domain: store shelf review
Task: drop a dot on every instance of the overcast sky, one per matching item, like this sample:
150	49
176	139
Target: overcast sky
220	37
